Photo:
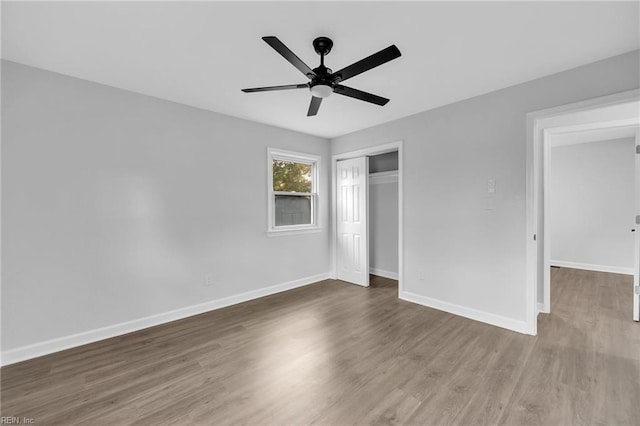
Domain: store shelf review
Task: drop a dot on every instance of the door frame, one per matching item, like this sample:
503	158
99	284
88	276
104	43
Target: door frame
539	124
373	150
636	251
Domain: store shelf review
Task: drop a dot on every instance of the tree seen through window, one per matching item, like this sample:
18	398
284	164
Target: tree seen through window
289	176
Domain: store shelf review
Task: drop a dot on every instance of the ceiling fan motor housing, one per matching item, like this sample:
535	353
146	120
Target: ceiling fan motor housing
321	85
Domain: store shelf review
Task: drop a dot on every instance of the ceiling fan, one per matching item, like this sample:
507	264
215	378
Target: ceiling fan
323	80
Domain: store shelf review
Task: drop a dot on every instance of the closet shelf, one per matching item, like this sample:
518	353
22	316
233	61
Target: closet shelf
383	177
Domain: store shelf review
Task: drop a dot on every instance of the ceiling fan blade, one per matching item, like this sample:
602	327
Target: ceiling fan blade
271	88
314	106
289	55
383	56
359	94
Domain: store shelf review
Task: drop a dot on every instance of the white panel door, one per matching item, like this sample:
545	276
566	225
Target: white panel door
352	220
636	257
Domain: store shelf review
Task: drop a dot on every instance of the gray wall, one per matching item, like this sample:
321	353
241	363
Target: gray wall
591	206
383	228
472	257
115	206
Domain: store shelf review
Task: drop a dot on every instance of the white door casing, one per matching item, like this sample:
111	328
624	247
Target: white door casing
352	226
636	226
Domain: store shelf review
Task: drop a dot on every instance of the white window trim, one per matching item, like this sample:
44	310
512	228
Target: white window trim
279	154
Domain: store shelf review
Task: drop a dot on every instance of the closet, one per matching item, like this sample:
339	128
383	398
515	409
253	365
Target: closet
383	215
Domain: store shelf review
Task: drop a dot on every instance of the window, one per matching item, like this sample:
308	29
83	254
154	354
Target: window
293	191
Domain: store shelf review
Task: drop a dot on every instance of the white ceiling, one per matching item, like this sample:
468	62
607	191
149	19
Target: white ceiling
203	53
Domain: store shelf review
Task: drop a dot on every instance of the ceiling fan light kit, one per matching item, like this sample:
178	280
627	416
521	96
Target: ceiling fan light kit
323	81
321	90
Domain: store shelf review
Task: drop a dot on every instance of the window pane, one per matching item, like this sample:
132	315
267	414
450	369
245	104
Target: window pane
293	210
291	177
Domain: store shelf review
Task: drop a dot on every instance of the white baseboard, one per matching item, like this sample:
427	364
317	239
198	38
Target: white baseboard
591	267
383	273
50	346
474	314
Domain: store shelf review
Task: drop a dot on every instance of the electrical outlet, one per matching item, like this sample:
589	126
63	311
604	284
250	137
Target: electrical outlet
421	275
208	279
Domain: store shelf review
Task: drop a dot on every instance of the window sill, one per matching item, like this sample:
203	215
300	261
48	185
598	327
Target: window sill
300	231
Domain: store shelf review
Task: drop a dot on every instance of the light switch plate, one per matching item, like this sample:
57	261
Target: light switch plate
491	186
